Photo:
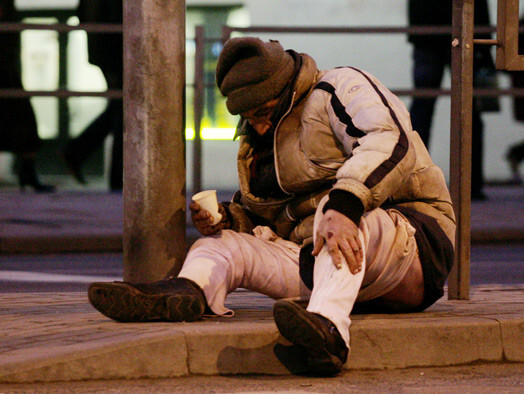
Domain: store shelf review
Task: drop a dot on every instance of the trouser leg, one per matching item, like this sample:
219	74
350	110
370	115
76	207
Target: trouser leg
334	290
229	260
92	137
477	156
428	70
389	249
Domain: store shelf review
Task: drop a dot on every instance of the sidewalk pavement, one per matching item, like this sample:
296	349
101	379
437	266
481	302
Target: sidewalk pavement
59	336
90	221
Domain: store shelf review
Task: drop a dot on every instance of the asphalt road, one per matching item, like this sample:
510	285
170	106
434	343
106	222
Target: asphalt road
483	378
490	264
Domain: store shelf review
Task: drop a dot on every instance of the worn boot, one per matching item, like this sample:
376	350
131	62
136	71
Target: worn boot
326	350
174	299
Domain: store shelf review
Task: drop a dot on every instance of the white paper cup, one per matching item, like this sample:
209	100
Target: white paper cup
207	200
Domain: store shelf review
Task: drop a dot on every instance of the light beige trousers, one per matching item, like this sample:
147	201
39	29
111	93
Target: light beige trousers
267	264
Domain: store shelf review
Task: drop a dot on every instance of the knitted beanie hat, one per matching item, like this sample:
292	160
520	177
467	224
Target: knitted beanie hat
251	72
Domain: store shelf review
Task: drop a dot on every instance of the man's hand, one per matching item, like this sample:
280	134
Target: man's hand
202	219
340	235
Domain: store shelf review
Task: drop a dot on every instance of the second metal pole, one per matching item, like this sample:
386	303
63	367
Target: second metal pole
460	149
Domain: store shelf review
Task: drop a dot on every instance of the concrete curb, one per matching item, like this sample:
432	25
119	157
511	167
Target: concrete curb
251	349
59	337
143	356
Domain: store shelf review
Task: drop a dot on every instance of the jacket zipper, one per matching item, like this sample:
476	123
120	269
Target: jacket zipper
277	172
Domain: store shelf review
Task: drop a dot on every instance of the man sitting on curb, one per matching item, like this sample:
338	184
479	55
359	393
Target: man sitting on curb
339	201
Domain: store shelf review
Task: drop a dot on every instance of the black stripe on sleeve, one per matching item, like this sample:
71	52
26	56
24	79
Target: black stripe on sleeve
340	110
400	149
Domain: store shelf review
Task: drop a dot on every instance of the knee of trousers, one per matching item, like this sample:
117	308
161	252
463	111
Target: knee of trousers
206	242
211	259
217	245
226	247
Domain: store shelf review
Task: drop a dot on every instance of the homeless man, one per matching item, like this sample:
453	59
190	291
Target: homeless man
339	201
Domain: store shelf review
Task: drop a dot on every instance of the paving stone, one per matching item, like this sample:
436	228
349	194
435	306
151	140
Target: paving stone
68	339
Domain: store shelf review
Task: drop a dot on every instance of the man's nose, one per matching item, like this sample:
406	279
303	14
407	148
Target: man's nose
261	127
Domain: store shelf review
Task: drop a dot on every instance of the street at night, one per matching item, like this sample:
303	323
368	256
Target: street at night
490	264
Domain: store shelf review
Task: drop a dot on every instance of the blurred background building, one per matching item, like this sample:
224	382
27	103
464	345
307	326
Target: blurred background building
52	61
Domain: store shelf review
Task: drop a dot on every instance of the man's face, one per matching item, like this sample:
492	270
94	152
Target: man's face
260	117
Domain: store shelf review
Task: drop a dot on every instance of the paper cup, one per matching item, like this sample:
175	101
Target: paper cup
207	200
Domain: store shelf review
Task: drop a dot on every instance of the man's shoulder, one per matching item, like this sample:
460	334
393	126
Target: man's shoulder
337	72
342	73
343	79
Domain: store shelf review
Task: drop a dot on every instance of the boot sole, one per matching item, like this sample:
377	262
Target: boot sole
295	324
123	302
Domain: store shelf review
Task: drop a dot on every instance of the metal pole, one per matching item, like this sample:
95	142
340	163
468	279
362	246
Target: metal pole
154	153
198	107
63	104
226	33
460	151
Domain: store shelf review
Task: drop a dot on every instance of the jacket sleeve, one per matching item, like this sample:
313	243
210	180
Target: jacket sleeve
243	220
373	126
238	217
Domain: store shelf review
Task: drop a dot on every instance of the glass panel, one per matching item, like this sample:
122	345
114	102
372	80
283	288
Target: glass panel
82	76
217	122
47	4
40	72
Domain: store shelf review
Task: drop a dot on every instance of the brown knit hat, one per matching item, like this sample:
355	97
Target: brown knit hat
251	72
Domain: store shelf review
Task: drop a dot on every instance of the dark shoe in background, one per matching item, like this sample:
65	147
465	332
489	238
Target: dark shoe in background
27	176
174	300
326	350
74	165
515	156
478	196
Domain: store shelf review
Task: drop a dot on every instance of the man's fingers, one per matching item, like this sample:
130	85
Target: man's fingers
319	243
335	257
352	257
202	220
334	252
357	248
202	216
332	249
358	254
194	207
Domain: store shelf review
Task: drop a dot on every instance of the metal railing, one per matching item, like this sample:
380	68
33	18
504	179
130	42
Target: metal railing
199	87
109	28
61	93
